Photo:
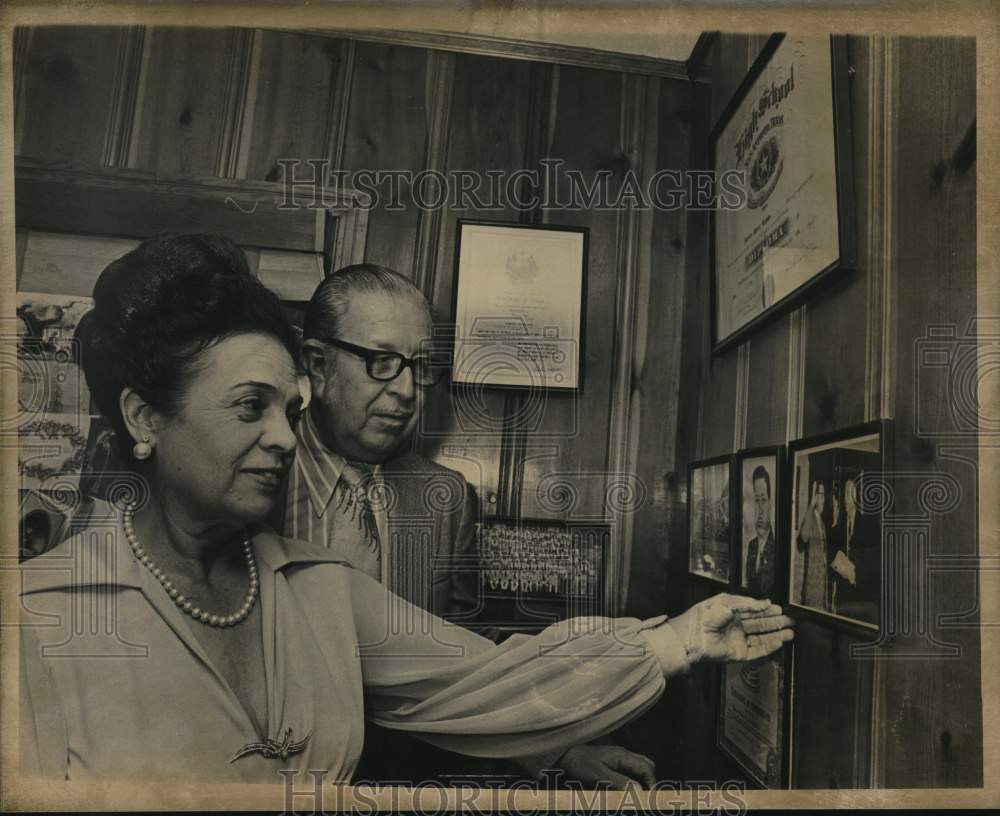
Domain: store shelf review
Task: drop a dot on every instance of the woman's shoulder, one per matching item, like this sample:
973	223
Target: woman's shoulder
283	553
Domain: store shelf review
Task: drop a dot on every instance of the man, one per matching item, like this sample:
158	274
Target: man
761	549
856	565
358	487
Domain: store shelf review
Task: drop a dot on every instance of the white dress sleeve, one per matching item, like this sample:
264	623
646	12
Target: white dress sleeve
572	683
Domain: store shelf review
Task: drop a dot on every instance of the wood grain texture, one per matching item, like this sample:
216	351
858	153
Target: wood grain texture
489	134
932	721
179	124
297	75
66	93
386	129
588	137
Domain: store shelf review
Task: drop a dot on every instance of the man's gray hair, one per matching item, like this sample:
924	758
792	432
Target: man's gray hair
332	297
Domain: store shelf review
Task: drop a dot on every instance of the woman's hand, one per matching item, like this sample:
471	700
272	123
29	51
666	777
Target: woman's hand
731	628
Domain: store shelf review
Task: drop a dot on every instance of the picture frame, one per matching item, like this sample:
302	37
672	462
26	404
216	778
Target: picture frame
710	511
755	701
573	553
519	305
787	131
760	503
834	526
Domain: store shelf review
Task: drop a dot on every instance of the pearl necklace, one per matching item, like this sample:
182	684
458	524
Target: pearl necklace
182	602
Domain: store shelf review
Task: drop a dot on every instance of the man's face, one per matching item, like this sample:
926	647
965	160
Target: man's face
762	505
363	419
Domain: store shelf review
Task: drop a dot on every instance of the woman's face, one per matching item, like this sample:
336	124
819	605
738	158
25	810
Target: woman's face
223	456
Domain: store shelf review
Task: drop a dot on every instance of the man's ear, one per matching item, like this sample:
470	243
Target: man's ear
140	417
314	363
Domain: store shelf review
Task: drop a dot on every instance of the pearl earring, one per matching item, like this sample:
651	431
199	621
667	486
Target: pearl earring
142	450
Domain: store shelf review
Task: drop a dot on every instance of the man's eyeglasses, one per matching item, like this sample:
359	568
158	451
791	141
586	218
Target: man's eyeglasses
387	365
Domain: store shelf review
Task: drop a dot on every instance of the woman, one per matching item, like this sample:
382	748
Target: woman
202	645
811	542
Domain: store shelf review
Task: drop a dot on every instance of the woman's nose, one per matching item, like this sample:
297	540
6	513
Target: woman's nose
279	434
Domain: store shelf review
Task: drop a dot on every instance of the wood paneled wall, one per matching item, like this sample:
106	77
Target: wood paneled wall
233	103
848	356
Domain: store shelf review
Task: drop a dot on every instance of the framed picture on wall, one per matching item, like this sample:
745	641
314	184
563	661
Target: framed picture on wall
709	514
760	497
519	305
754	715
781	153
838	485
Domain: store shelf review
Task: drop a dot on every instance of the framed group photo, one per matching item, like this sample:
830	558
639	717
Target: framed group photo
709	514
835	525
786	135
519	306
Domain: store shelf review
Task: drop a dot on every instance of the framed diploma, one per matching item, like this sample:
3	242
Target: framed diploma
520	296
753	717
709	511
786	134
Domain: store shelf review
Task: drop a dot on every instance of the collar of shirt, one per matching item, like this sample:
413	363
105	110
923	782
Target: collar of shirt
320	467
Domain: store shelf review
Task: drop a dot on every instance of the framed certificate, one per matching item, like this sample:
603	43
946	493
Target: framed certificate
786	134
753	717
520	297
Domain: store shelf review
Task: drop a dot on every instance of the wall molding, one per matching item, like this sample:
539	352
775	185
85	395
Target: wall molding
21	47
740	415
242	77
797	335
341	86
523	50
439	91
124	96
638	135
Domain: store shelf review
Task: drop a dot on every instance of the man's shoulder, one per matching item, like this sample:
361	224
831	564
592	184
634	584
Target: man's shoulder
414	463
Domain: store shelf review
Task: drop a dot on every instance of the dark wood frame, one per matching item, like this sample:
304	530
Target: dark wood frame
882	427
846	262
462	385
787	661
779	498
729	460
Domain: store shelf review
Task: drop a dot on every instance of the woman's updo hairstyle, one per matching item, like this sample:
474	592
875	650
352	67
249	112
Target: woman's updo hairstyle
158	308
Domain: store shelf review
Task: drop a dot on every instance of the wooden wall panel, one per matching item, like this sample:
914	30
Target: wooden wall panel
293	102
932	719
488	131
587	137
66	94
179	115
767	392
387	129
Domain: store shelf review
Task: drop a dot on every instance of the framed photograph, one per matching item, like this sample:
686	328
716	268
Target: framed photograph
541	559
835	526
520	301
754	717
758	516
784	142
709	514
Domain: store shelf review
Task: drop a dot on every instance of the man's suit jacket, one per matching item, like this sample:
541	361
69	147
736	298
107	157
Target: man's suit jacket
760	580
433	559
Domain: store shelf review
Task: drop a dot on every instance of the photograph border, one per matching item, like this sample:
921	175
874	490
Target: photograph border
728	459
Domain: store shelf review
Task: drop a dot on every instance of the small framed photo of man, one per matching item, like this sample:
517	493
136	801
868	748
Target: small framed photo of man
761	488
835	525
709	512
